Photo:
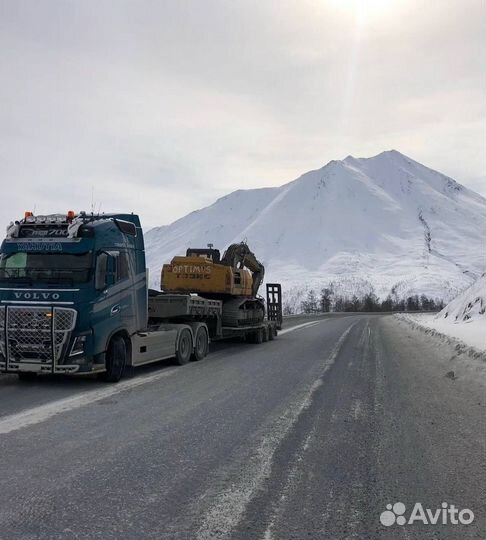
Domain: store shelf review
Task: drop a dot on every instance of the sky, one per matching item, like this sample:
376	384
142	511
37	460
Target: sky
160	107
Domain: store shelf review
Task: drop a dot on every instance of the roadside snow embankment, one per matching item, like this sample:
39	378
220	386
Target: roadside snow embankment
463	319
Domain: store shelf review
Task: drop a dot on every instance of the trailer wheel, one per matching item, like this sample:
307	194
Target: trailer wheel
116	360
202	344
184	347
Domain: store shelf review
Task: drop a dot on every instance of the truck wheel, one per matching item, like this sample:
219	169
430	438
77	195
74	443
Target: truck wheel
116	359
202	344
27	376
184	348
266	333
259	336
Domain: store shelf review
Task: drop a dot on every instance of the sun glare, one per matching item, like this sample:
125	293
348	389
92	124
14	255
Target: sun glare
362	8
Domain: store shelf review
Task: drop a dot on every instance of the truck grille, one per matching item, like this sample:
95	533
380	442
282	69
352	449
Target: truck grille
3	311
35	334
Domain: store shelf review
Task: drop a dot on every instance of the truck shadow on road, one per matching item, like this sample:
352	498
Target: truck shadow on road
78	383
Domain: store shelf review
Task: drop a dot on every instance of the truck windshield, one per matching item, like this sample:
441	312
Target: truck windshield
50	267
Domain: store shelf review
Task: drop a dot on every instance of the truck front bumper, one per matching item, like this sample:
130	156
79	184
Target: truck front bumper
35	339
36	367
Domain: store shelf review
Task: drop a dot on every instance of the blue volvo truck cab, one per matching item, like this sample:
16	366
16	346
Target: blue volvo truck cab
74	299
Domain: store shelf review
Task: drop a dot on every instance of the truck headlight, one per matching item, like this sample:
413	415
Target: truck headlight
78	345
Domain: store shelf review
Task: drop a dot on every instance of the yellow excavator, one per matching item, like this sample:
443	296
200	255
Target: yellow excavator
233	279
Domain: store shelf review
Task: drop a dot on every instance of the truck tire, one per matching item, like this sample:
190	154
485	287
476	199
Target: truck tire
258	336
116	360
266	333
184	347
271	333
202	344
27	376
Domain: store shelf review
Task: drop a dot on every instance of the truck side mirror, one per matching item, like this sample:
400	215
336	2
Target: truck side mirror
100	273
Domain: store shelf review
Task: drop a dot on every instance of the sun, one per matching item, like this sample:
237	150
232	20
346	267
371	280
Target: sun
363	8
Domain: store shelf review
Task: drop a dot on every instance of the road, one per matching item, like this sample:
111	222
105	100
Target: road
308	436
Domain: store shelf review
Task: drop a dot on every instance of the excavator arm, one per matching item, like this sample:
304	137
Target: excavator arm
239	256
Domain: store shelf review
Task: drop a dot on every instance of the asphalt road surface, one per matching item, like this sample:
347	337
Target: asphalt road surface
309	436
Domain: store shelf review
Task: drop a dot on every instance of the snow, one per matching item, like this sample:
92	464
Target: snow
470	306
385	222
473	334
464	318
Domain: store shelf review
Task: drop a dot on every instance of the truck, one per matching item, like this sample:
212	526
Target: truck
74	299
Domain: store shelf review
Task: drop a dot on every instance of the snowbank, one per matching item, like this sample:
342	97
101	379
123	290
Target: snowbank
463	319
468	307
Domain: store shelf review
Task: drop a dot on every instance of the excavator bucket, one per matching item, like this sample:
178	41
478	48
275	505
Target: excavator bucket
274	303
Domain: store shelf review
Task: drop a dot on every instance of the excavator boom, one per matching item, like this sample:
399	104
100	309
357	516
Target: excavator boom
240	256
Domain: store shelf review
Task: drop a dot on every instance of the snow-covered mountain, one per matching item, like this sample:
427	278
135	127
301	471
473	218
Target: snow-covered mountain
385	222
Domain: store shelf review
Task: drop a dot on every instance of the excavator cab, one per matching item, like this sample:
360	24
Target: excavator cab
208	253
